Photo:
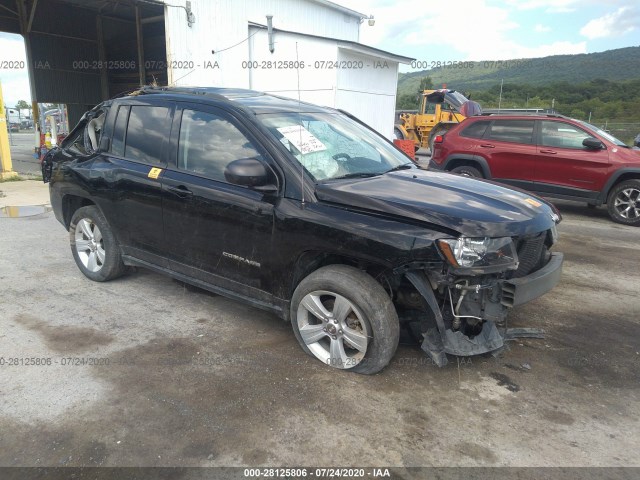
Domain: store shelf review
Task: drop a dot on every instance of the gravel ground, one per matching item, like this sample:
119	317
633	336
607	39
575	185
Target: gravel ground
179	377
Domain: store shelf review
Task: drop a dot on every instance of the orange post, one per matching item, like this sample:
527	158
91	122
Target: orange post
406	146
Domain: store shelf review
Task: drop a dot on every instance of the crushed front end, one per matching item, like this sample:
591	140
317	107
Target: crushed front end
467	296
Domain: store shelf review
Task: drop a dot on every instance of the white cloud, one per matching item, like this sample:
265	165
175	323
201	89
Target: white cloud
15	81
542	28
562	6
482	31
555	6
620	22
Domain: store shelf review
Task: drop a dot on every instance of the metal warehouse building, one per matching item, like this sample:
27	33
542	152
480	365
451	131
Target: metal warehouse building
80	52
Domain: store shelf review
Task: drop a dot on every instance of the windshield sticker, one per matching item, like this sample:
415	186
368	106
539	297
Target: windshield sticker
302	139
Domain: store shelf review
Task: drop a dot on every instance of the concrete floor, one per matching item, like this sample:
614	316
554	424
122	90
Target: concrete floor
180	377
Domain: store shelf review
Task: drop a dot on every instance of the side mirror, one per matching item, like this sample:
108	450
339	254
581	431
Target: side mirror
249	172
592	143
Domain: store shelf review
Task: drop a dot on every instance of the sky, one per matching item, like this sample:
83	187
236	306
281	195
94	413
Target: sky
498	30
453	30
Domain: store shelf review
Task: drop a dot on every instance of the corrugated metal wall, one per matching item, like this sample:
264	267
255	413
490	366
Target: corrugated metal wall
223	25
66	62
61	37
305	16
316	85
369	93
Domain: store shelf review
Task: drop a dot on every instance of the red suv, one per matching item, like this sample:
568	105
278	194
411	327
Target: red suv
551	155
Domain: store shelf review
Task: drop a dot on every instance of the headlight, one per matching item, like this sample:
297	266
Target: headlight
486	254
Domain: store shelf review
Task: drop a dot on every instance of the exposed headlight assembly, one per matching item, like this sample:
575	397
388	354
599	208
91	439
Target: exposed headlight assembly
481	255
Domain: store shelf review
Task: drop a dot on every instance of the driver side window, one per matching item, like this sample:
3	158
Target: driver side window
560	134
208	143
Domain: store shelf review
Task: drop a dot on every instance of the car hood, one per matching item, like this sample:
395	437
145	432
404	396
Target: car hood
474	208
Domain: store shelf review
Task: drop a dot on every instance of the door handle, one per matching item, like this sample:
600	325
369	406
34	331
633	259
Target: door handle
487	145
180	191
552	152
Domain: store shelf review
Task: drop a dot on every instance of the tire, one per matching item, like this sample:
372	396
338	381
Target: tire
397	134
94	246
467	171
623	203
367	314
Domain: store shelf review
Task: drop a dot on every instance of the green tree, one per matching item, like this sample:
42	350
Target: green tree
22	105
407	102
425	84
578	114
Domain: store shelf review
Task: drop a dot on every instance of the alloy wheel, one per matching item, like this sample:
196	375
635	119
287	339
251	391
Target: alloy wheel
89	245
333	329
627	203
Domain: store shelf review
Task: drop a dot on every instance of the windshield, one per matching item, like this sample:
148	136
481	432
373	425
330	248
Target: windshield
332	146
602	133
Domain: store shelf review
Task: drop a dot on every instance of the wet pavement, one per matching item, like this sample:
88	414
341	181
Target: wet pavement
13	211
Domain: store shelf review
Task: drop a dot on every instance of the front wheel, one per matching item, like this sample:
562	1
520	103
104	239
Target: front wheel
467	171
623	204
344	318
94	246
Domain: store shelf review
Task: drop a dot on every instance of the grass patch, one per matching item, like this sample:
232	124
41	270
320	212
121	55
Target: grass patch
16	178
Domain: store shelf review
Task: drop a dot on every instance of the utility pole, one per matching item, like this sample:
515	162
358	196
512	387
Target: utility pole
500	99
6	167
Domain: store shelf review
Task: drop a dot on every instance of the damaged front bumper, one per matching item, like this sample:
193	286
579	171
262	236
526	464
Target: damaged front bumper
518	291
492	305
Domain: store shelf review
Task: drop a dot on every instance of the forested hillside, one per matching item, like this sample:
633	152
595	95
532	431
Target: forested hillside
601	87
616	65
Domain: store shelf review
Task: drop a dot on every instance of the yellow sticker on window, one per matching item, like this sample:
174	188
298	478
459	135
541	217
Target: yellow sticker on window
154	173
531	201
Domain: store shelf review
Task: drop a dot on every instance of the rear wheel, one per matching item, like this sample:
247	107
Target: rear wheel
623	204
467	171
344	318
94	246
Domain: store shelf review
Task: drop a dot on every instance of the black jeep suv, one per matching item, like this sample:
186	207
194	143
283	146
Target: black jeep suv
303	211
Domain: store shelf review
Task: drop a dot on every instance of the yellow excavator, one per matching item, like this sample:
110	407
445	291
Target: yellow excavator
439	111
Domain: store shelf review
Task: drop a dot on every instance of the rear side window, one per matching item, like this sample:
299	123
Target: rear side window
119	129
475	130
208	143
516	131
146	132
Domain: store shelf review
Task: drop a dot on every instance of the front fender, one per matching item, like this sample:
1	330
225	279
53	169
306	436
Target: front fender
634	171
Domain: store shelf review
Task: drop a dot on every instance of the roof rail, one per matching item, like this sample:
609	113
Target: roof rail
150	90
524	114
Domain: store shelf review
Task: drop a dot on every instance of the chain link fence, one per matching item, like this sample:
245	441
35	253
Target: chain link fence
626	132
